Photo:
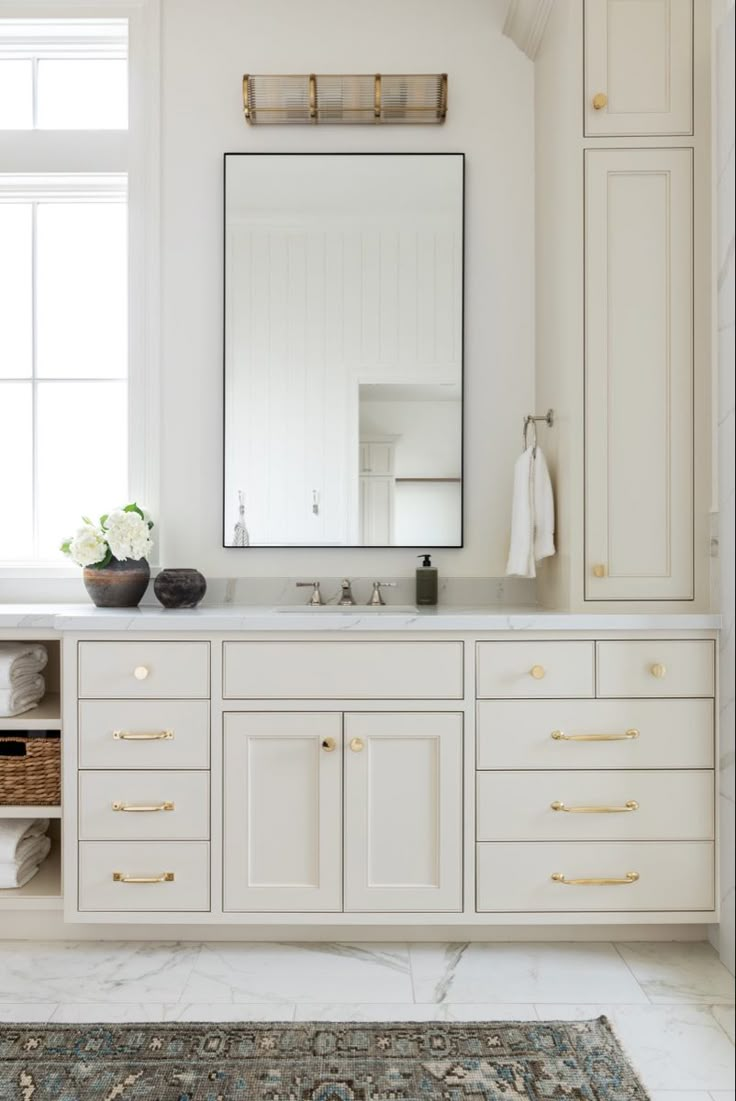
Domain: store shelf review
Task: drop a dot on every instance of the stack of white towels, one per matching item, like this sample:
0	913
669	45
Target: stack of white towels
21	683
24	845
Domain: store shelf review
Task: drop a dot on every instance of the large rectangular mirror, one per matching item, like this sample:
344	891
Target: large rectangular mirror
343	350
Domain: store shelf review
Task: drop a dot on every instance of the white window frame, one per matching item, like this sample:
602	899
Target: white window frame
136	153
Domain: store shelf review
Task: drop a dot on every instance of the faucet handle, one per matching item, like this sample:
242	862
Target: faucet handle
376	598
315	599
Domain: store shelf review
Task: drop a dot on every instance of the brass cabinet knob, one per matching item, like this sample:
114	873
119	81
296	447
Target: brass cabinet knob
329	745
659	671
600	100
599	571
357	745
140	672
537	671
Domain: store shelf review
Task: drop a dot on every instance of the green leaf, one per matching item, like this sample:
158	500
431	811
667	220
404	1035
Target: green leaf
87	520
103	561
134	508
103	519
65	546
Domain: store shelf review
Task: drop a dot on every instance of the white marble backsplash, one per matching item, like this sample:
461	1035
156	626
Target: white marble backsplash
726	295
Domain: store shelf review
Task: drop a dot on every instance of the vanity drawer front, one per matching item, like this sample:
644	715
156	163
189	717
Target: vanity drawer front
656	667
111	806
343	670
176	875
519	670
670	805
144	670
671	734
144	734
672	875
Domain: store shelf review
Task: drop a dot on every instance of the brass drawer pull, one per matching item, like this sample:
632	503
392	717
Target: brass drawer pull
631	805
630	877
123	877
141	672
659	670
627	736
144	736
537	672
139	808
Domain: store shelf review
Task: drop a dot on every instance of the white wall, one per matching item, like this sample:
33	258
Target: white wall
206	49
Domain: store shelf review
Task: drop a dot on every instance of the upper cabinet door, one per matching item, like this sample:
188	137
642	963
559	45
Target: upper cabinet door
638	67
639	375
403	812
282	808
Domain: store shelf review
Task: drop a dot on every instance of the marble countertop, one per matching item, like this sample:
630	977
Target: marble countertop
231	617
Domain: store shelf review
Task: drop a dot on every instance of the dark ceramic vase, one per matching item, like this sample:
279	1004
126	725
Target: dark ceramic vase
179	588
119	584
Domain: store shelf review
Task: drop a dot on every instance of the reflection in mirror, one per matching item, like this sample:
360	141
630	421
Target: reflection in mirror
343	350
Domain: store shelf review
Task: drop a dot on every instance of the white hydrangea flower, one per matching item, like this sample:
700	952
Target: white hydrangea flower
88	546
128	535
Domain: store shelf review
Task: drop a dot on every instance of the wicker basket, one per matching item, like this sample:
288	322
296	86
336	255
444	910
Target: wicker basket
30	770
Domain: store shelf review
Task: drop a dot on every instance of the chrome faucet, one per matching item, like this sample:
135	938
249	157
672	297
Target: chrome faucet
376	598
346	599
315	600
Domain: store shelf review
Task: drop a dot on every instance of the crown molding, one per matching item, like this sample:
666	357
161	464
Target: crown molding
525	22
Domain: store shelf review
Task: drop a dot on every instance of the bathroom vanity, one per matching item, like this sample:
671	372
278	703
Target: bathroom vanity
243	766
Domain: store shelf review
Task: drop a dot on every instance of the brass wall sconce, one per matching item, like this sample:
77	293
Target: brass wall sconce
375	99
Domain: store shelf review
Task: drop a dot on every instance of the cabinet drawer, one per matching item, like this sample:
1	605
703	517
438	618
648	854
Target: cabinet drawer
343	670
671	734
671	805
656	667
672	875
144	670
144	734
111	806
176	875
517	670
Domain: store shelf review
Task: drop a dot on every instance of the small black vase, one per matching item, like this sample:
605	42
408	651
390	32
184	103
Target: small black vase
179	588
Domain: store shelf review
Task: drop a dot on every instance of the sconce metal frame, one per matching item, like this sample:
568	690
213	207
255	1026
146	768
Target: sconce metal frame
347	99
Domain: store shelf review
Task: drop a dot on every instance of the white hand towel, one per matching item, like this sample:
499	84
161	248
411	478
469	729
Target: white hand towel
15	831
22	696
521	550
544	509
12	876
19	659
33	848
532	515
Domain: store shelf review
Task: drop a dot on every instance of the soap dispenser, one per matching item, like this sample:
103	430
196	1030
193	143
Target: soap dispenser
426	581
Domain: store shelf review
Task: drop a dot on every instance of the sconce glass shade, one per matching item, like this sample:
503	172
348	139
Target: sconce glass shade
345	100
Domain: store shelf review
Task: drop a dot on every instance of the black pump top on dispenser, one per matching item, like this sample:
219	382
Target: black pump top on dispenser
426	560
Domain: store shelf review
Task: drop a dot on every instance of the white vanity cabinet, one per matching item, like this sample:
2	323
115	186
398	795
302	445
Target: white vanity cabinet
393	771
638	67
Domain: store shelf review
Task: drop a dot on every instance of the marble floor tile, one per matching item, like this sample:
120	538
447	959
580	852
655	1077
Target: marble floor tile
228	1011
674	1047
314	972
94	971
671	972
726	1017
679	1095
521	973
13	1013
426	1011
83	1013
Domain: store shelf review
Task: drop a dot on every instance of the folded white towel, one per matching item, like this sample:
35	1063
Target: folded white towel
32	849
22	696
15	831
12	876
532	515
20	659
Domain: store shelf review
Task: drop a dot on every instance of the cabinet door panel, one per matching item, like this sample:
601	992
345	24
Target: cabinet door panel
403	812
639	55
282	809
639	375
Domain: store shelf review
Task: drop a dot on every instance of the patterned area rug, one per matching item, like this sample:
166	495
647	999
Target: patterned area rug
547	1061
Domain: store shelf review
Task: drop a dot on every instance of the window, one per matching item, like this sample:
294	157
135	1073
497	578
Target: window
64	246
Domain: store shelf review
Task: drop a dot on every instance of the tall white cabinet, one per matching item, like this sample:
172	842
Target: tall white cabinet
623	278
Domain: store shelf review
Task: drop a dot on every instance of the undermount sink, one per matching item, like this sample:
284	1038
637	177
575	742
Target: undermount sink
348	609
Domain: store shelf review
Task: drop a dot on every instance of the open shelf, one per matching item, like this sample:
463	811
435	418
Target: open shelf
47	716
30	812
43	892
